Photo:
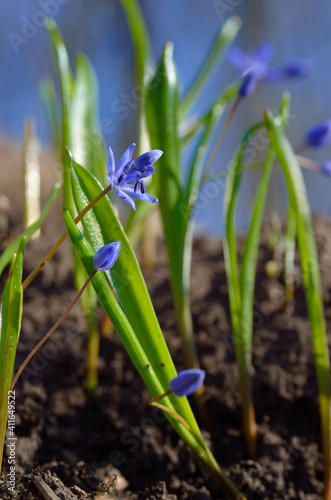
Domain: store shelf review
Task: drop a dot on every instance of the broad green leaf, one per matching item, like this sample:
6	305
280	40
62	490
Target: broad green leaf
102	226
162	124
9	252
223	39
86	143
11	314
310	274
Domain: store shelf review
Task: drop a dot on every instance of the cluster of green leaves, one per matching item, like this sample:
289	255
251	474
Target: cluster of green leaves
177	194
77	129
241	282
133	315
122	290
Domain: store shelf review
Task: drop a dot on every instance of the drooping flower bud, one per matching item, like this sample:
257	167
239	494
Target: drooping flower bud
319	135
106	256
187	381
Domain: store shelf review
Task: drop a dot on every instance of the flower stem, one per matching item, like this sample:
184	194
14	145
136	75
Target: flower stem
220	139
49	333
57	245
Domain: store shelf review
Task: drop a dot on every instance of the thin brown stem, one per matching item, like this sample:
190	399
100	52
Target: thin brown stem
153	400
221	138
55	247
49	333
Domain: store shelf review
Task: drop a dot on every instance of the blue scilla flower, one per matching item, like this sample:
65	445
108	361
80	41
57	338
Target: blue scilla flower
187	381
127	177
257	67
106	256
319	135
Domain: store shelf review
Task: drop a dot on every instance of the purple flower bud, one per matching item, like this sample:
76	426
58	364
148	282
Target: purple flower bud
326	167
319	135
187	381
106	256
300	67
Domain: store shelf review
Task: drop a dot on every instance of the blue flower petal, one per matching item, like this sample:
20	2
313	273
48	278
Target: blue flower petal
136	174
291	70
148	158
125	159
122	194
264	53
111	165
138	195
319	135
239	58
106	256
326	167
300	67
187	382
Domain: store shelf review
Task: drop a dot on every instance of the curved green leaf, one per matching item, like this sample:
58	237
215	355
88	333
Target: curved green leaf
311	278
223	39
86	143
10	326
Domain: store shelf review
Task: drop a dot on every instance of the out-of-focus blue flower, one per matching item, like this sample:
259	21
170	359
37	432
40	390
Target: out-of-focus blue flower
257	67
106	256
326	167
187	381
319	135
127	177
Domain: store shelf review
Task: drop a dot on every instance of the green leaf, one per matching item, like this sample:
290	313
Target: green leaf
310	273
162	124
86	143
49	101
139	36
102	227
195	171
143	363
62	63
252	240
9	252
223	39
291	231
66	81
10	325
191	127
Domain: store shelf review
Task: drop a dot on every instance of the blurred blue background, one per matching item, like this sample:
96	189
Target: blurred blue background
298	29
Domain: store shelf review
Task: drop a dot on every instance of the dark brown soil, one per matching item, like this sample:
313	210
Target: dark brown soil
115	442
